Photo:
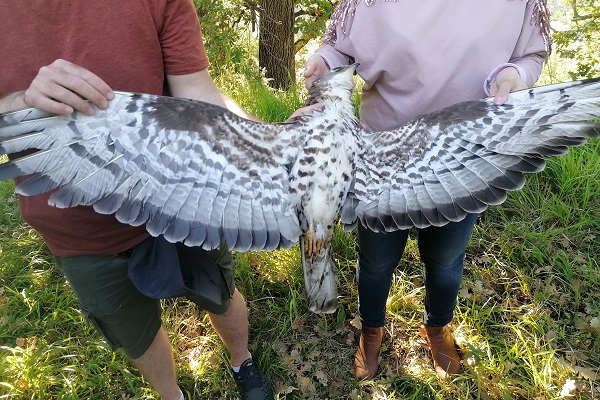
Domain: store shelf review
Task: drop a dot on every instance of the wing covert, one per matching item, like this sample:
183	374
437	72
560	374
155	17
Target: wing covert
192	171
461	159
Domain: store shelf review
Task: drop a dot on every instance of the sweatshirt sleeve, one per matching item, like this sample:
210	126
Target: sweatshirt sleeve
529	54
333	58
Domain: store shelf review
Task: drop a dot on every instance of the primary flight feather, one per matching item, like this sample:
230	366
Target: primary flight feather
199	174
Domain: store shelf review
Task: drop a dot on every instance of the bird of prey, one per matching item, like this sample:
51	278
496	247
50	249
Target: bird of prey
199	174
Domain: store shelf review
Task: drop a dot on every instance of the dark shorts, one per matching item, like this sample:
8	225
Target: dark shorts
125	317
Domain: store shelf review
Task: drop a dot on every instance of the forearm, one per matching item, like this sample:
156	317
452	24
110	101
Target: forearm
13	101
234	107
199	86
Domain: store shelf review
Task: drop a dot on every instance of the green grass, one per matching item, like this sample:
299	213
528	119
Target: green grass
527	318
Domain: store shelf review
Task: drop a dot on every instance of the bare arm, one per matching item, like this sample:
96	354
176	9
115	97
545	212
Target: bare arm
200	86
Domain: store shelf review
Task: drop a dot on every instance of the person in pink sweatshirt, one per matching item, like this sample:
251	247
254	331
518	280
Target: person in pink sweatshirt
415	58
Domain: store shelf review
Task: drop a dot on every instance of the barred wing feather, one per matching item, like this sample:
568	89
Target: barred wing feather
464	158
192	171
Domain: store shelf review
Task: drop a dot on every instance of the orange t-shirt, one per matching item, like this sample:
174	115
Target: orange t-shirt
131	45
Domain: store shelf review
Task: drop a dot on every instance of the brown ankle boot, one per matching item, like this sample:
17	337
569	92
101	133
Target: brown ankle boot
446	360
367	355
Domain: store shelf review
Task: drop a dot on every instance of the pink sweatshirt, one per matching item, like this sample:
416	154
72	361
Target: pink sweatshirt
420	56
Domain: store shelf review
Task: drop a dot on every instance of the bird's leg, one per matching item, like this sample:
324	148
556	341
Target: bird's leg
309	240
315	241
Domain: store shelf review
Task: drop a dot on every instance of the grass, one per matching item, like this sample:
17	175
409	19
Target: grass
528	318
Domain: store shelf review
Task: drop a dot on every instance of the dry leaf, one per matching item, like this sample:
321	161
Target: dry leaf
355	322
288	362
483	259
350	339
575	356
321	377
285	389
279	347
298	324
305	385
464	293
550	335
586	373
565	242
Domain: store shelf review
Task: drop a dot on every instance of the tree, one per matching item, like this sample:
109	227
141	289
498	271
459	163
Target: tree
224	29
276	42
285	27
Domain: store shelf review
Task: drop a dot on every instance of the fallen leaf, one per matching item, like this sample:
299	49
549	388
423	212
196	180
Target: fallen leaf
279	347
321	377
464	293
305	385
551	335
355	322
285	389
586	373
298	324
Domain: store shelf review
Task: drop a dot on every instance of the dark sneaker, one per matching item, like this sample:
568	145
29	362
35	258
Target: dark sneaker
251	383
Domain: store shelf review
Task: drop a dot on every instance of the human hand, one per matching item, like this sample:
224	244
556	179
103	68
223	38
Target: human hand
62	87
314	68
507	81
305	110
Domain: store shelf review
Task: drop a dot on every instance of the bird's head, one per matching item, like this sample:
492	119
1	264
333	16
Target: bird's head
335	84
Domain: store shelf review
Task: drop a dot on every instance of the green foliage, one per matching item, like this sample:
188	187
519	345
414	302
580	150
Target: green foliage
230	30
580	39
227	37
310	19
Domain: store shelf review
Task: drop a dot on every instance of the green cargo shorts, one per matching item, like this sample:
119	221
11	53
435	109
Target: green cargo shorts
111	303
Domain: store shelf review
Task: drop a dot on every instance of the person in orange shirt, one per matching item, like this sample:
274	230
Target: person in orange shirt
59	55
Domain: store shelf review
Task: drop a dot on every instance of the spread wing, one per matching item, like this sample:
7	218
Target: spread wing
459	160
192	171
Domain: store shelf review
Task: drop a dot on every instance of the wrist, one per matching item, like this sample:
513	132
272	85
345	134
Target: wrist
487	84
13	101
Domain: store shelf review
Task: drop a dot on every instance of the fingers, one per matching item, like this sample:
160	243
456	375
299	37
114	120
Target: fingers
506	82
501	93
305	110
63	87
315	67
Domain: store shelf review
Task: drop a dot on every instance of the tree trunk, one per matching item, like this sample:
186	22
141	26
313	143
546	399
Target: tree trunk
276	42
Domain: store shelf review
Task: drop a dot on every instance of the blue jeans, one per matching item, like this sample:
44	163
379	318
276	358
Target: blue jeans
442	251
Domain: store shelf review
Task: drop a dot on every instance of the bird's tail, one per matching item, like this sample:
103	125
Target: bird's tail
320	280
